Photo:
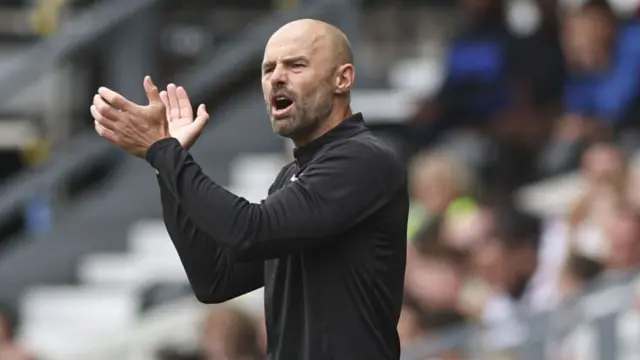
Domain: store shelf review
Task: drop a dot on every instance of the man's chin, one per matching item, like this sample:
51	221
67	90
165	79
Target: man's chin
282	125
284	132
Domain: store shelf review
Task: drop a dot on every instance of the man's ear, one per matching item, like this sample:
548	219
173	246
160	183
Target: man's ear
345	76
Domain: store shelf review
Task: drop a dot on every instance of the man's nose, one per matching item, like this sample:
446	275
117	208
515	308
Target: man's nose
279	76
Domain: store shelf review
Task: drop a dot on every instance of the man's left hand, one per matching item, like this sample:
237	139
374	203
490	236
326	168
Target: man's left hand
130	126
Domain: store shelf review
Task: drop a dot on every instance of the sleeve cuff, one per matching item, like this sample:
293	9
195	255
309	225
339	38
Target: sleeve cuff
154	150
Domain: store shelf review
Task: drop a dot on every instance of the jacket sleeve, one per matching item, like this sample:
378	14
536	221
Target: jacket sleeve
213	272
342	187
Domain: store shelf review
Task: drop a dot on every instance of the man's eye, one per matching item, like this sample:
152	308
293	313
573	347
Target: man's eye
298	65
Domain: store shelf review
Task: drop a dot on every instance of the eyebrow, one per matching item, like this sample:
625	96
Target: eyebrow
287	60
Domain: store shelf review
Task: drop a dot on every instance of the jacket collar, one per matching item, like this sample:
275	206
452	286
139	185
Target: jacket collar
348	128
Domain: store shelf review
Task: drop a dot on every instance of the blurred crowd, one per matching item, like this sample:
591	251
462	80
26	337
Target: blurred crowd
514	108
518	105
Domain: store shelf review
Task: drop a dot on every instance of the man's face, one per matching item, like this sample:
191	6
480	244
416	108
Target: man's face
297	81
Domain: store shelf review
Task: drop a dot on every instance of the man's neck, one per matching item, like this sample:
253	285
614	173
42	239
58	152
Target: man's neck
335	118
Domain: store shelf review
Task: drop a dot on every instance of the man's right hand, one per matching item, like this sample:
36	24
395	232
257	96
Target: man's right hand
182	125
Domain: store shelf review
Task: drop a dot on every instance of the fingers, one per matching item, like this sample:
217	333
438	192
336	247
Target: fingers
117	100
173	101
165	100
104	108
186	111
152	91
104	132
103	126
104	114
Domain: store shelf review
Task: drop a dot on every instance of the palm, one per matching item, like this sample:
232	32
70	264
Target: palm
179	125
182	124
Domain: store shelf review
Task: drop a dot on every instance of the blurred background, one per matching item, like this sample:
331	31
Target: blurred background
519	121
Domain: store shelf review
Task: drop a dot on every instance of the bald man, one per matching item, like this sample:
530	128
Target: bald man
328	243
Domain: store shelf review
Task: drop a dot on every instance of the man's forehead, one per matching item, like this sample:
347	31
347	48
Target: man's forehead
290	45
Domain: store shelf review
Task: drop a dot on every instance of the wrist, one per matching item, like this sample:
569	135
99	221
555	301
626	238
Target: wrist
157	147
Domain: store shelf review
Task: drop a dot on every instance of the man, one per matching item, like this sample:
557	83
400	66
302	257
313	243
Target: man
328	243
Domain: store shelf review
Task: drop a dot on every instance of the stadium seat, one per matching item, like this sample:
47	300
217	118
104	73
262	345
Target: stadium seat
384	106
132	271
58	318
422	77
150	237
255	170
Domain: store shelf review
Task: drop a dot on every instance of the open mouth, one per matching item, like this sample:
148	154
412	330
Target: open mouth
281	103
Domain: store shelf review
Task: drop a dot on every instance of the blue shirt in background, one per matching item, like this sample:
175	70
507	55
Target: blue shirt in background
476	85
609	95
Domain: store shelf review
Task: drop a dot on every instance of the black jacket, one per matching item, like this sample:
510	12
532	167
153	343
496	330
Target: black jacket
328	243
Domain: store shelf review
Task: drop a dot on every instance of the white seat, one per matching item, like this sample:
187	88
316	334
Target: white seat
252	194
132	271
149	237
384	106
57	344
62	319
551	197
78	306
421	77
255	170
252	302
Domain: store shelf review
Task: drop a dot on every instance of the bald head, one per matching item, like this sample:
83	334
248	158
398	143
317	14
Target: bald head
307	74
326	38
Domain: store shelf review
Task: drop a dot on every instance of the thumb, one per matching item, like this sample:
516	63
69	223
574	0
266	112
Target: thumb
152	91
195	128
202	117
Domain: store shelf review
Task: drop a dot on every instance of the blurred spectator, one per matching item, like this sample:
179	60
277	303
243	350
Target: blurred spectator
418	325
633	188
9	350
581	232
261	329
436	179
602	94
434	277
508	260
466	224
7	326
229	334
539	61
14	353
622	229
475	85
605	170
409	327
503	267
577	273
